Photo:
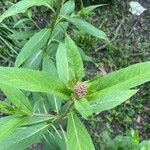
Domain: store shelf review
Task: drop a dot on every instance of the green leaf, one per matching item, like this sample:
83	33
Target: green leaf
21	35
87	27
145	145
8	125
67	7
84	56
34	81
37	119
84	108
40	103
54	102
24	137
54	141
34	61
52	49
21	22
17	98
111	100
85	11
77	135
49	66
22	6
33	46
123	79
58	31
76	70
62	63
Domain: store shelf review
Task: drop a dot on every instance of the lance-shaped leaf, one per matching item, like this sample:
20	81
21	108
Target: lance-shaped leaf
17	35
62	63
34	61
67	7
58	31
54	103
37	119
33	46
24	137
17	98
87	10
69	62
84	56
76	70
40	103
84	108
31	80
77	135
54	141
9	125
22	6
123	79
49	66
87	27
111	100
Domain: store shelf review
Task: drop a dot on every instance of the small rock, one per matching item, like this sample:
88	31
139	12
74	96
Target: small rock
138	119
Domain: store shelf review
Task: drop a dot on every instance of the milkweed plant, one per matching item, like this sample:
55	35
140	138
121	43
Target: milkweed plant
46	94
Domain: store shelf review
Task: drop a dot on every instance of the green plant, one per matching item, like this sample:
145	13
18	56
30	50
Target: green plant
47	114
41	104
130	141
45	41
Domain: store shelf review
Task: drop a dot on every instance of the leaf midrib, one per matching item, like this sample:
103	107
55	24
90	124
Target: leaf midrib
76	134
16	142
118	84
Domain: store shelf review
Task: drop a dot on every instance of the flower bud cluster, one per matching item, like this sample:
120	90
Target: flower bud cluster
80	90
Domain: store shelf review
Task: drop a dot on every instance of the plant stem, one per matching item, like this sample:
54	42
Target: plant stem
61	117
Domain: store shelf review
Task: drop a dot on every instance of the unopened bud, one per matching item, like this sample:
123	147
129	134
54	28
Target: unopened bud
80	90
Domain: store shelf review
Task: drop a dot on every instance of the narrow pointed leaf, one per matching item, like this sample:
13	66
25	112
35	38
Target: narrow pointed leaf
59	30
67	7
54	102
62	63
33	46
77	135
37	119
53	141
87	10
22	6
8	125
88	28
84	108
84	56
49	66
76	70
17	98
34	81
21	35
21	138
123	79
111	100
34	61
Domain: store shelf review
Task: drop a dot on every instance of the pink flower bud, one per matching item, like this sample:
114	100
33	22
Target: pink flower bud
80	90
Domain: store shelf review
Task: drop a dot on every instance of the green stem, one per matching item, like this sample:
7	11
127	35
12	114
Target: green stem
61	117
82	5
